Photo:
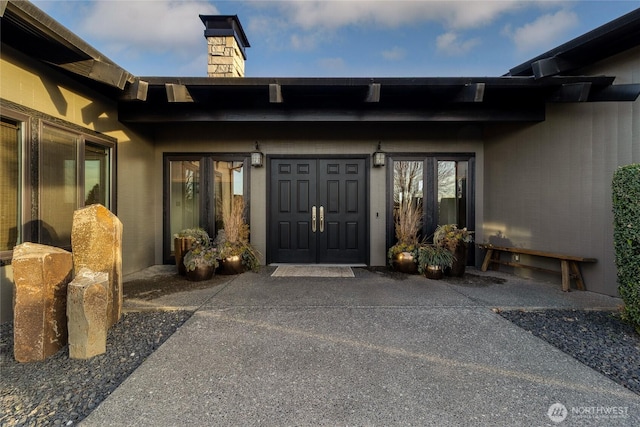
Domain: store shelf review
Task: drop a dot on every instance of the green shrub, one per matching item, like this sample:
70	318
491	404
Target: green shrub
626	236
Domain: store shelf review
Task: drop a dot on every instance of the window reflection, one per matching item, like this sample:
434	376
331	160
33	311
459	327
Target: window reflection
184	195
452	192
229	184
408	187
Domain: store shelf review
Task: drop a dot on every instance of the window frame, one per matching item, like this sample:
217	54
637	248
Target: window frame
430	191
207	190
32	123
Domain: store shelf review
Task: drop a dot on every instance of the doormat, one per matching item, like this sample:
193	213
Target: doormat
312	271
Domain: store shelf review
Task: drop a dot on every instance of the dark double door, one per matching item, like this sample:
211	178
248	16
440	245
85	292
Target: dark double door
318	211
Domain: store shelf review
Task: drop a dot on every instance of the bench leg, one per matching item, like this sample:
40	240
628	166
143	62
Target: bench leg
575	269
487	260
566	277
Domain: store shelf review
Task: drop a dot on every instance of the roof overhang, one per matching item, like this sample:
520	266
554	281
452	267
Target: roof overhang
453	99
605	41
31	31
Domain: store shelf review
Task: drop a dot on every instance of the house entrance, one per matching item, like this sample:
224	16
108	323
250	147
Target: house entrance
317	211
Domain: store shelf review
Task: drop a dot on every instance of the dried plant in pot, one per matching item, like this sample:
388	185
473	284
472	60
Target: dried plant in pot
432	260
403	255
456	240
236	253
184	240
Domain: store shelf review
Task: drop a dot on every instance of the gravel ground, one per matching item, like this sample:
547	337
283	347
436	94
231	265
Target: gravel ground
63	391
598	339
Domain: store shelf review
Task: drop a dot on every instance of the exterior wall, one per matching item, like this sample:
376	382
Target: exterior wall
35	86
322	140
549	184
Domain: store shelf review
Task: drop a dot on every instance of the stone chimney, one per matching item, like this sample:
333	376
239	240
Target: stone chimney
226	43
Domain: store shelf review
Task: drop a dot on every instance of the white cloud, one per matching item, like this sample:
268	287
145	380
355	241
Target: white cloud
135	27
453	14
314	23
450	44
542	33
394	54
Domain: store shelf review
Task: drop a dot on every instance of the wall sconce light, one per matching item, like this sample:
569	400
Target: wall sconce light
256	157
378	157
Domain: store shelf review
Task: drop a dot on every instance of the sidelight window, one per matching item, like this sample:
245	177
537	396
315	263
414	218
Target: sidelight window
438	186
199	189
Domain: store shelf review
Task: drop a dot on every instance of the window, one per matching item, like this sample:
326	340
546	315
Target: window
97	186
58	186
48	169
198	190
440	187
73	173
10	232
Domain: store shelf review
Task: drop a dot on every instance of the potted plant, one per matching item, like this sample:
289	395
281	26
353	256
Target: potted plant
456	240
201	262
236	253
184	240
403	255
432	260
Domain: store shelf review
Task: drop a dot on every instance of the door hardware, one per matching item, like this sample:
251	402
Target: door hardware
313	219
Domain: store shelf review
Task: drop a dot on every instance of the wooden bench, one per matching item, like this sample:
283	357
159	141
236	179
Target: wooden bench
568	263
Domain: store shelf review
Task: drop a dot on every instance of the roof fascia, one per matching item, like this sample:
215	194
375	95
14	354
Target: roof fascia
608	34
94	64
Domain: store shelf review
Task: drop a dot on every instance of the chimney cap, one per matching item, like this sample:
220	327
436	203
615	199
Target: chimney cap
225	25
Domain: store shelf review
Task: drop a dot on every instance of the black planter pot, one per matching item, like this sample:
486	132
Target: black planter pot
231	265
201	273
433	272
459	264
404	262
181	245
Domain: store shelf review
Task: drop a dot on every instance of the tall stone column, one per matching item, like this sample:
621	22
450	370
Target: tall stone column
96	242
41	274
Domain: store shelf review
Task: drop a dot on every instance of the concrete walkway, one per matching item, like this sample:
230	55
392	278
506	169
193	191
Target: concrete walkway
369	350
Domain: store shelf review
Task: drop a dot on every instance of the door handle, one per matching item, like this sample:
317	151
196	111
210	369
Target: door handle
322	219
313	219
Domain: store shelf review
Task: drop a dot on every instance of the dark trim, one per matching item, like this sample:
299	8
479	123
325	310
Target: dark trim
32	31
612	38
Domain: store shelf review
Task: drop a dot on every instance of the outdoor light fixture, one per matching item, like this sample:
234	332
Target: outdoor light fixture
256	157
378	157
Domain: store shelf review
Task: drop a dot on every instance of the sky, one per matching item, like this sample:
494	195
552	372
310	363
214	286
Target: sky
335	38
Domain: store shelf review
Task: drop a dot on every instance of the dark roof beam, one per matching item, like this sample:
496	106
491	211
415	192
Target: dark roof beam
616	93
470	92
373	93
551	67
177	93
275	93
572	92
136	91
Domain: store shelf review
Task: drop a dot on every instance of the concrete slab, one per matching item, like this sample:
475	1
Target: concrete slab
365	351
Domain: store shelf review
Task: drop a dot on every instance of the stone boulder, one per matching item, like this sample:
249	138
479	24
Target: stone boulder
87	314
41	274
96	242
